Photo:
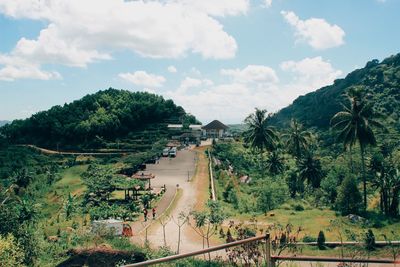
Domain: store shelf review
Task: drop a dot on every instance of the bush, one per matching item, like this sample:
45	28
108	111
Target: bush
349	197
272	195
298	207
369	240
308	239
321	240
11	252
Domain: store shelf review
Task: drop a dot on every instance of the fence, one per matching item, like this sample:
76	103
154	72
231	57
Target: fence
264	238
213	195
269	260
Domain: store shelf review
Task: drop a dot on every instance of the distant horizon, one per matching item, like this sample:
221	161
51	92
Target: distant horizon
229	56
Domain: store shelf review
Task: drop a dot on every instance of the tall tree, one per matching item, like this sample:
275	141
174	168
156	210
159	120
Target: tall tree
260	136
274	163
355	126
310	170
297	139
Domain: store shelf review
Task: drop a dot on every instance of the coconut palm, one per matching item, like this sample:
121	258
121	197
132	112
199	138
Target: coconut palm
260	136
297	139
355	126
310	169
274	163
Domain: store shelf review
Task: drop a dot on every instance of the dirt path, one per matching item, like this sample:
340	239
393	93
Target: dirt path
53	152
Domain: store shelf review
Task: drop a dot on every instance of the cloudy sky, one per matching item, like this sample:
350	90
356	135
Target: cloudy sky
217	58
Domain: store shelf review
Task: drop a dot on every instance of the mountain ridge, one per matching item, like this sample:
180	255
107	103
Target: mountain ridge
380	79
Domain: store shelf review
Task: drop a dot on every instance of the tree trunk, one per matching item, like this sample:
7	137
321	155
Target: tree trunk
364	175
351	159
262	164
394	207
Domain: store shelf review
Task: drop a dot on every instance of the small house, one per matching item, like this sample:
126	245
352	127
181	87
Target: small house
215	129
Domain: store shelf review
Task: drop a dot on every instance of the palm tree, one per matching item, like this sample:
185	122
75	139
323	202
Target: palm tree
297	139
355	125
310	170
260	136
274	163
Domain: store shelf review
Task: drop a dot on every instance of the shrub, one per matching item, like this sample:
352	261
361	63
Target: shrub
321	240
10	251
349	197
308	239
298	207
369	240
272	195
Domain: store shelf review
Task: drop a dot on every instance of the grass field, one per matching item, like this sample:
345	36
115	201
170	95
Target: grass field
52	204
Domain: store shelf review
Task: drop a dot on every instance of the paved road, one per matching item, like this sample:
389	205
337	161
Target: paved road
169	172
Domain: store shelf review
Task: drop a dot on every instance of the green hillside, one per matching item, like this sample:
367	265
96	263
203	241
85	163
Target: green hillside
380	79
3	123
96	119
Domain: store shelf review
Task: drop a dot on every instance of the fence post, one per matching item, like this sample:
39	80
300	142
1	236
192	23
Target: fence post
268	250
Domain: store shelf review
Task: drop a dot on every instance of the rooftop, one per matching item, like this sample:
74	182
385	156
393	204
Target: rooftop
215	124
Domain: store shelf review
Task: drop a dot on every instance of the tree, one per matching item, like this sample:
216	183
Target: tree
260	136
349	197
295	184
206	222
99	181
271	195
369	240
22	178
296	139
321	240
355	125
310	170
274	163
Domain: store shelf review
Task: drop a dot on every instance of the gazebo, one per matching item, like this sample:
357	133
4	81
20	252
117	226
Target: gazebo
144	177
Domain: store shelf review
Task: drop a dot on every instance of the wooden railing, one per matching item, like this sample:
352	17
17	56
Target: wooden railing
274	259
264	238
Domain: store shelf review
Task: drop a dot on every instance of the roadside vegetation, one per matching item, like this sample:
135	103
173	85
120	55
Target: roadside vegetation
289	177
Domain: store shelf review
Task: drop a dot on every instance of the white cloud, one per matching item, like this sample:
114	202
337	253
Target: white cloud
190	82
318	33
252	87
311	73
252	73
231	102
172	69
14	68
81	32
216	8
267	3
143	78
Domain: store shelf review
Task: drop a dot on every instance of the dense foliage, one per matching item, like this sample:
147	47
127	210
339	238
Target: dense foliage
381	80
105	115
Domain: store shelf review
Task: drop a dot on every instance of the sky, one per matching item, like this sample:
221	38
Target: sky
219	59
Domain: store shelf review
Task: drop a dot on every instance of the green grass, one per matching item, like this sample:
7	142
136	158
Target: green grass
52	203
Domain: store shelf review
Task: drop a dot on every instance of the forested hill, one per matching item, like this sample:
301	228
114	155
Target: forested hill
381	79
105	115
3	123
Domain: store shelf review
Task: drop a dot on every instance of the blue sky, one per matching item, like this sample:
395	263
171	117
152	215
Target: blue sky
217	58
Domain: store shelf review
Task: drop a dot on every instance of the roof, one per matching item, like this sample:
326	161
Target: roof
195	126
174	126
143	176
215	124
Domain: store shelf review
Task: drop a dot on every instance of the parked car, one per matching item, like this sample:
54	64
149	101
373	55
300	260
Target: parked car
165	152
172	152
152	160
